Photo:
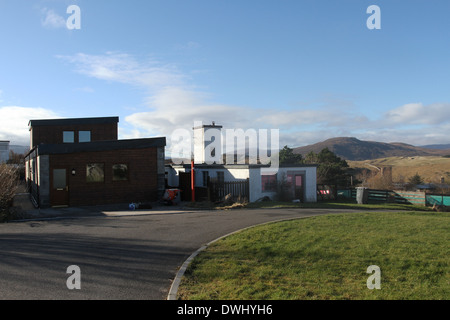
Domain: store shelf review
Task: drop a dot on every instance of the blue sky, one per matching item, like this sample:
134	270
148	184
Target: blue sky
311	69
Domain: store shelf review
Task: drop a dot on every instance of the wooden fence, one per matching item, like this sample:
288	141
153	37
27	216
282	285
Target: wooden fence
392	196
218	190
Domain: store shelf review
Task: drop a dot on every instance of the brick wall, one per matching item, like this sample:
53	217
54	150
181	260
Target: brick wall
141	186
54	133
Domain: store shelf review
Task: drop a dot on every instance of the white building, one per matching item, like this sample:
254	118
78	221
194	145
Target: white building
4	151
301	179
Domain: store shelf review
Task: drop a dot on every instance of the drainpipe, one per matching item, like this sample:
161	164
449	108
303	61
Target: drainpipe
192	181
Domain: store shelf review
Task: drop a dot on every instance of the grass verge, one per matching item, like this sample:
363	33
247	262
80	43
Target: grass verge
327	257
337	205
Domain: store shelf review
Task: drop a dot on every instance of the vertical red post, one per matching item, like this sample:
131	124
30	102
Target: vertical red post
192	181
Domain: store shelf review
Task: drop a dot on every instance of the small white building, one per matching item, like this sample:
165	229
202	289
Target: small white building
262	179
4	151
302	179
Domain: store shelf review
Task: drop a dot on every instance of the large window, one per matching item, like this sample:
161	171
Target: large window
84	136
95	172
205	176
269	183
220	177
68	136
120	172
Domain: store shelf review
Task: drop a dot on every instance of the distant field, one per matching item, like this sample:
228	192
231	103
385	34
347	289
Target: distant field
430	168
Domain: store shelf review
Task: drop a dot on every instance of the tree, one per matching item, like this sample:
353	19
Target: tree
16	158
8	187
331	170
287	156
311	158
415	180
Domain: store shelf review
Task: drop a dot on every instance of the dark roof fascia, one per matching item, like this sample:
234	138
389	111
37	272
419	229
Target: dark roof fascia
72	121
216	166
298	165
29	153
239	166
67	148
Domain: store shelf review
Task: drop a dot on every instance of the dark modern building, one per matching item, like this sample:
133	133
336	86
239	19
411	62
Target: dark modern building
76	162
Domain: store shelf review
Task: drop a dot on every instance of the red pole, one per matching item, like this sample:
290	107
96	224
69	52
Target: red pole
192	181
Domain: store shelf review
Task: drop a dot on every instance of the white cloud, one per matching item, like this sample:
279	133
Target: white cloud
52	20
14	122
172	102
418	113
124	68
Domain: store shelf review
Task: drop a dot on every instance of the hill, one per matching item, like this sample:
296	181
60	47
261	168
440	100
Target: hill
437	146
431	168
358	150
19	149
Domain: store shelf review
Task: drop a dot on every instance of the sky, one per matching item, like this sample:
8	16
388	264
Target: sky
311	69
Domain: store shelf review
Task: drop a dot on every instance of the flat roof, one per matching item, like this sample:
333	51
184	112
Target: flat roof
109	145
72	121
239	166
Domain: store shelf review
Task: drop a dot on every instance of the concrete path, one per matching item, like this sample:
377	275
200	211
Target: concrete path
121	254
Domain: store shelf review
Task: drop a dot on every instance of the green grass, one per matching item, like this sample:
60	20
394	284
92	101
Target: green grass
337	205
327	257
341	204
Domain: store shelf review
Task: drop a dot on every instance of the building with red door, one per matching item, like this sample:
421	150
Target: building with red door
81	161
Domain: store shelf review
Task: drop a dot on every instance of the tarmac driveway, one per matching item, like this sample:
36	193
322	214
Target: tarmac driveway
120	256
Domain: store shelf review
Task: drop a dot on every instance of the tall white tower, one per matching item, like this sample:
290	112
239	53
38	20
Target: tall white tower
207	143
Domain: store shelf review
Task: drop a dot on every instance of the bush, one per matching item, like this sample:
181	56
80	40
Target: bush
8	187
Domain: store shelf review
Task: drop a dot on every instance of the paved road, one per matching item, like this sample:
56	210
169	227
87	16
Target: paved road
120	257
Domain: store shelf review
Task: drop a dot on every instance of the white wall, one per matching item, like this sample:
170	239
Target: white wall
254	174
310	182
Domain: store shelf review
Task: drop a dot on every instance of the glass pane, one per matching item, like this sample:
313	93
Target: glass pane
298	181
84	136
95	172
120	172
68	137
59	178
269	182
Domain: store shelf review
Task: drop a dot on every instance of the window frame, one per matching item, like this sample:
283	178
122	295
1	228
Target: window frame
272	185
127	174
102	164
84	131
72	138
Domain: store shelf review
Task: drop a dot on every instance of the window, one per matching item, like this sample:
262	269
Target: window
68	137
220	177
269	183
120	172
59	179
205	176
84	136
95	172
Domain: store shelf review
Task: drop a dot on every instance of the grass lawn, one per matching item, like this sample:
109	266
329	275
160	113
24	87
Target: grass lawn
338	205
327	257
341	204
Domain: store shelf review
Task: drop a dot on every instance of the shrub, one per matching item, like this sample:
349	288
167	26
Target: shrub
8	187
